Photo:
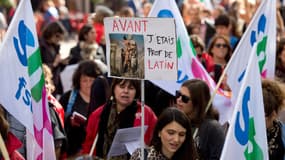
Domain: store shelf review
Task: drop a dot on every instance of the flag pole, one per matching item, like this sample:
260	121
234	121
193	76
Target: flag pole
234	54
3	149
142	119
216	89
93	145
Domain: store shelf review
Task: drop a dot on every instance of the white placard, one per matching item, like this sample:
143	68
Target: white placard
126	140
141	48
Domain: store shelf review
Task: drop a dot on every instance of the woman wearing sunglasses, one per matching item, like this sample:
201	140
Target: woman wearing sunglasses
192	99
220	52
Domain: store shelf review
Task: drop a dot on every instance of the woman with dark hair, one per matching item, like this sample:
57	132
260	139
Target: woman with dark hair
192	99
273	99
220	57
172	138
76	105
52	34
121	111
86	48
220	52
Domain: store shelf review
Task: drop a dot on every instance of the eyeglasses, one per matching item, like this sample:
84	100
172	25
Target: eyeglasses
219	45
185	99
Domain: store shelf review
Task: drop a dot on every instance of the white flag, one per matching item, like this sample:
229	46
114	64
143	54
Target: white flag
189	66
262	31
246	137
22	83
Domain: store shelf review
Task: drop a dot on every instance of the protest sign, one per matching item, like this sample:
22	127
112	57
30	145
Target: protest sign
140	48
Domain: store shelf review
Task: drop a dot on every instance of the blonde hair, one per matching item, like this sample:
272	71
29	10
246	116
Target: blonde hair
48	78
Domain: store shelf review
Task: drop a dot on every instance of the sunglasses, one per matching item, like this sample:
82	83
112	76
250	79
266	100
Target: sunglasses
185	99
219	45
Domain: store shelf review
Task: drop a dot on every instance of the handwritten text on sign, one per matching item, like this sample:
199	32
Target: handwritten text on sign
155	53
152	52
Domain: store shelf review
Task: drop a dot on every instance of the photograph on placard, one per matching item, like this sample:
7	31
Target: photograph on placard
127	55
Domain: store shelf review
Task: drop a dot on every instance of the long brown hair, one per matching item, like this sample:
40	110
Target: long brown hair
171	114
213	42
200	96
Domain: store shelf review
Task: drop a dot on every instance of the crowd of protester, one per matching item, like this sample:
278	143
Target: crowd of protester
96	106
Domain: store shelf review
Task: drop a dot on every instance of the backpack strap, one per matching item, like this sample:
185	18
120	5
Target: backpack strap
71	101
